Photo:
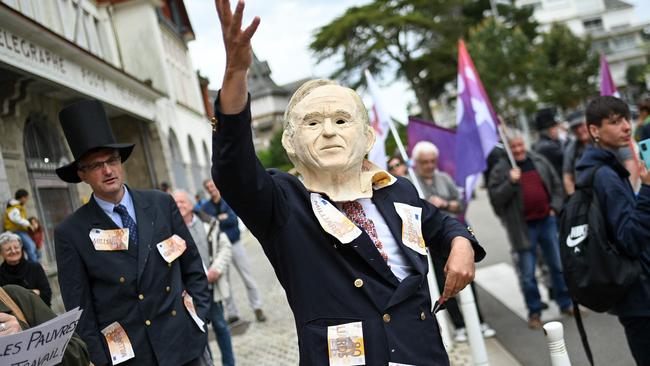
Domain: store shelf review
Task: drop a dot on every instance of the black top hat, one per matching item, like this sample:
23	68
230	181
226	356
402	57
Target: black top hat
86	128
545	118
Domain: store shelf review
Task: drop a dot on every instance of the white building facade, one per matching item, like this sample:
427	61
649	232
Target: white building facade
612	25
129	54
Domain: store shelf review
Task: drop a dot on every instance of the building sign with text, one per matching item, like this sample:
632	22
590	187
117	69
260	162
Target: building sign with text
24	54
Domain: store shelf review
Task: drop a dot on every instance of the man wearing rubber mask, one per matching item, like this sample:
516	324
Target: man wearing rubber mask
348	240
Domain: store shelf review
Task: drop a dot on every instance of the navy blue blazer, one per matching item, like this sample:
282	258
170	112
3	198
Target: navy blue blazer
328	283
136	288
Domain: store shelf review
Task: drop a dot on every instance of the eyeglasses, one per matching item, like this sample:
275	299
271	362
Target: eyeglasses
395	166
96	166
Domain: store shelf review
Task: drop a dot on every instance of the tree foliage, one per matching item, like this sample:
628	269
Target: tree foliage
564	68
502	55
275	156
412	39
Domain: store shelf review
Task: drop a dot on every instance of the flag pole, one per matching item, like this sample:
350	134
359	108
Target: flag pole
434	291
506	145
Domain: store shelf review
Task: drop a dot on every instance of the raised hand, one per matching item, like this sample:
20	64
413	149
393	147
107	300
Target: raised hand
237	43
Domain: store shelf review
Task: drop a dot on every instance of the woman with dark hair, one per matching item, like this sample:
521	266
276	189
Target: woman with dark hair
16	270
626	215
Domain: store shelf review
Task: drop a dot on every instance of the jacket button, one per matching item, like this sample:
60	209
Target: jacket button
423	316
214	122
122	279
167	289
147	322
173	312
169	265
386	318
358	282
141	297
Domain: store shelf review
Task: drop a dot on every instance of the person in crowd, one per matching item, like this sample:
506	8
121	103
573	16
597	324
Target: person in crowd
441	191
576	147
527	198
165	187
36	233
21	309
643	125
126	257
200	201
549	144
15	220
216	255
229	224
397	167
626	216
357	279
16	270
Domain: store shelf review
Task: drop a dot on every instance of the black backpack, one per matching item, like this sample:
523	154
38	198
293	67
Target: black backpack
596	273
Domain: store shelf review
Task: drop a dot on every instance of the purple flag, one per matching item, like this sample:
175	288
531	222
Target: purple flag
477	124
607	86
444	139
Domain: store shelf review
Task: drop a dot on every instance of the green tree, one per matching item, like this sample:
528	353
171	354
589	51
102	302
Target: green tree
635	77
502	54
564	68
411	39
275	156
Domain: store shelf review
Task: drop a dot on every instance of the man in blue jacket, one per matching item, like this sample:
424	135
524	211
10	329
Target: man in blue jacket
348	242
229	224
627	217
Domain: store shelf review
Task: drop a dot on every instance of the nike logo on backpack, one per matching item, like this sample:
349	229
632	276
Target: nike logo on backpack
577	235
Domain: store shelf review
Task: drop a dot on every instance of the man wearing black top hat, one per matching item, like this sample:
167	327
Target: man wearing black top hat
549	144
126	257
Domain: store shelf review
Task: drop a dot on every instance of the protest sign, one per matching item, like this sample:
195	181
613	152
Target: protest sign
42	345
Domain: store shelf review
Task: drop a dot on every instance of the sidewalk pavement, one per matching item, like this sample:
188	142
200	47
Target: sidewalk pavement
274	342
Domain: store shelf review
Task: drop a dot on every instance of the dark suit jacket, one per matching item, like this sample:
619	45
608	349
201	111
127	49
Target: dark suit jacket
327	282
107	284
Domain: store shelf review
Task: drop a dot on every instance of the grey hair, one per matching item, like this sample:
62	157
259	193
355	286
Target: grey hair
513	134
189	197
8	237
309	87
424	147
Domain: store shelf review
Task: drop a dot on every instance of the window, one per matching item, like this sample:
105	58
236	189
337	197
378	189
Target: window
594	24
623	42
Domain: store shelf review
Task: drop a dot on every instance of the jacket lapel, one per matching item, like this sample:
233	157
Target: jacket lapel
145	215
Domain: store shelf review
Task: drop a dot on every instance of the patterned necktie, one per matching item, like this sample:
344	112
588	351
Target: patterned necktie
354	211
127	222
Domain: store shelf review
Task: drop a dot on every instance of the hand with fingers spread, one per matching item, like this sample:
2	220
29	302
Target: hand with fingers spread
237	42
459	269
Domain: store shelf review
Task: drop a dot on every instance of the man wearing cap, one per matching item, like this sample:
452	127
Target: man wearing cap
126	257
549	144
347	241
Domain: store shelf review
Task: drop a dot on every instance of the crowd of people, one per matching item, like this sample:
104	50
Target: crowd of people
529	195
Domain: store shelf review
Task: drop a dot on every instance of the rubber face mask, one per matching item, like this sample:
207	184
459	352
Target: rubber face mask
330	137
